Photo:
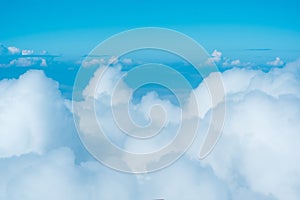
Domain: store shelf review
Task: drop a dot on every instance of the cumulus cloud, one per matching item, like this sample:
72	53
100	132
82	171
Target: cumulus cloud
36	124
255	158
33	115
260	139
275	63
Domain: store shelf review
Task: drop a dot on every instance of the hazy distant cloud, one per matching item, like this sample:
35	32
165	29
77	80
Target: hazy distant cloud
216	57
28	61
13	56
43	63
5	51
127	61
235	62
93	61
27	52
14	50
231	63
221	61
275	63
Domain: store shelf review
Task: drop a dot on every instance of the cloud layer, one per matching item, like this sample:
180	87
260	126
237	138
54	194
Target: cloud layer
255	158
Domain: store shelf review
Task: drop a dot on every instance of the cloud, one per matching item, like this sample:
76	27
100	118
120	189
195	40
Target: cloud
56	176
259	146
216	57
43	63
28	61
94	61
25	62
255	158
14	50
262	119
27	52
4	51
40	159
33	115
232	63
277	62
127	61
13	56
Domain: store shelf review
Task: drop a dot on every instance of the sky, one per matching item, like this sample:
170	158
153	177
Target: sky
58	94
227	25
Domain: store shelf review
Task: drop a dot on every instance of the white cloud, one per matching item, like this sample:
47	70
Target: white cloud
28	61
277	62
43	63
9	50
127	61
13	50
259	146
262	120
235	62
22	62
103	61
56	176
33	115
27	52
93	62
216	57
13	56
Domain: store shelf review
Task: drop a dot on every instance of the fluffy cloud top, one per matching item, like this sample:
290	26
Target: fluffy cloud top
33	115
260	141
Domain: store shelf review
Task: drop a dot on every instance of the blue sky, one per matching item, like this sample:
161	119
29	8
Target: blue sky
58	26
43	45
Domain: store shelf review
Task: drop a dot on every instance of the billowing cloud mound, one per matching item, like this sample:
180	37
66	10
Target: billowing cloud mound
33	115
260	142
255	158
